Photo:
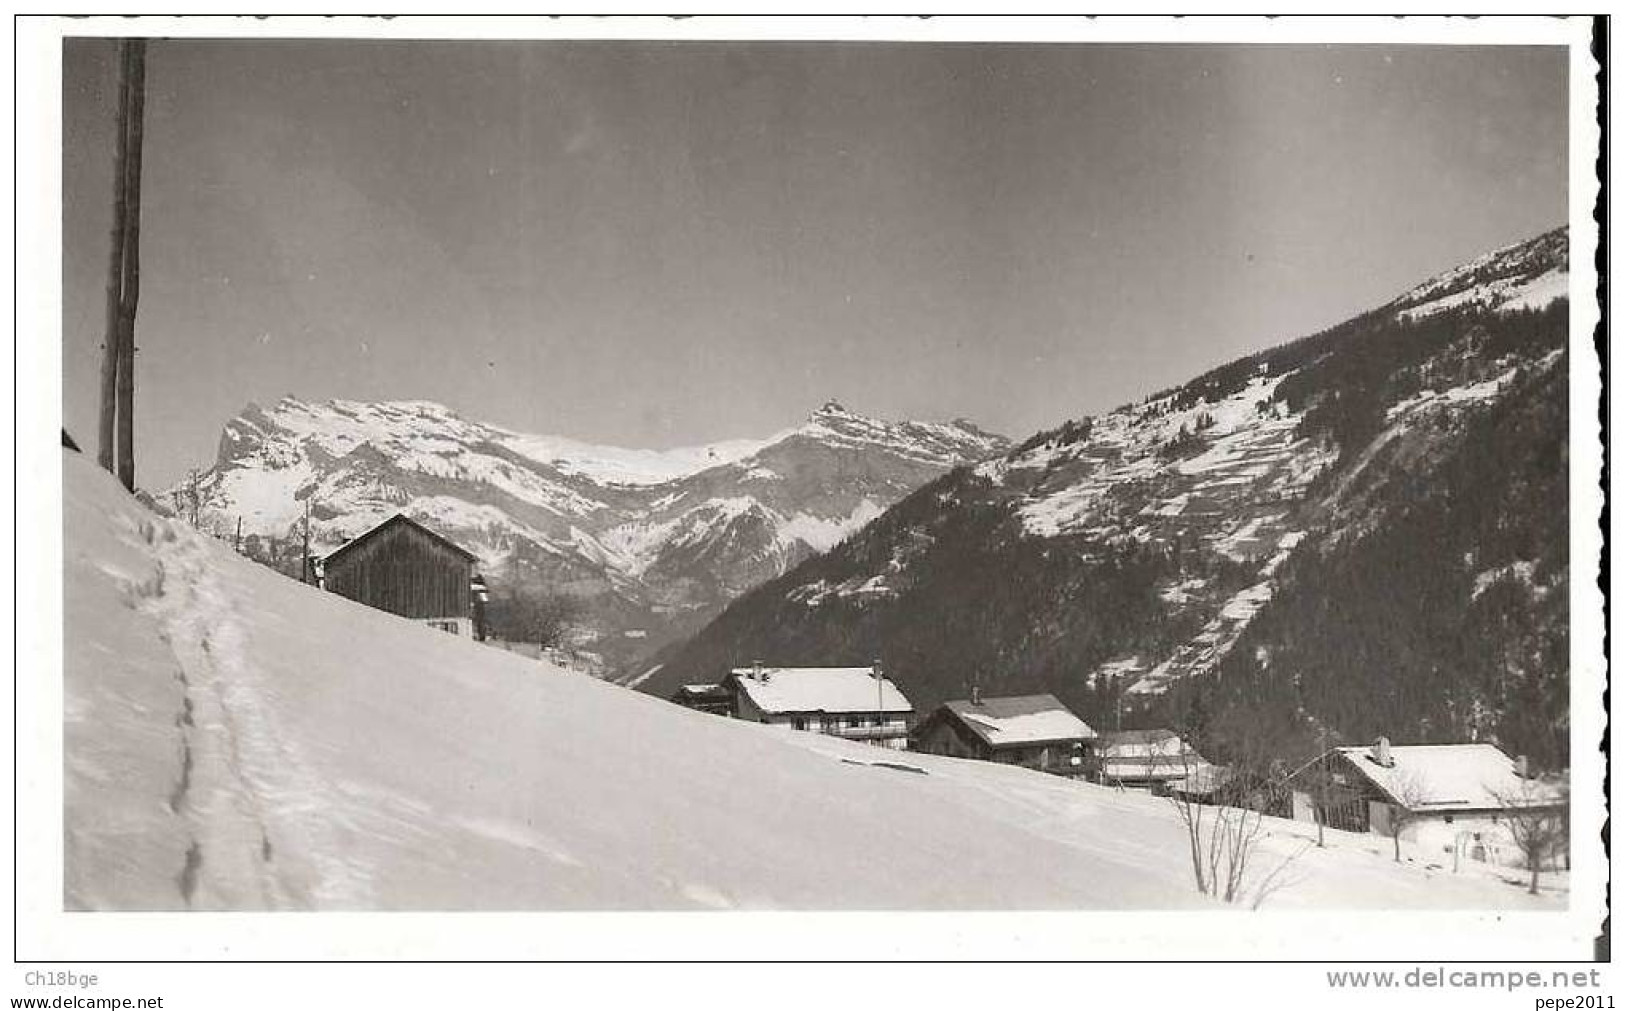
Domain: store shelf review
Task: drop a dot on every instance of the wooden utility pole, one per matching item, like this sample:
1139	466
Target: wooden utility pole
304	552
105	452
132	263
115	444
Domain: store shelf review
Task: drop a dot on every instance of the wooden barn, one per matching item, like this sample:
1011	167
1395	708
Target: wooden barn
403	567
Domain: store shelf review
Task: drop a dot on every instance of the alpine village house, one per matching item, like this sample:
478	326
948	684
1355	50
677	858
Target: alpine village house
1146	759
403	567
1033	731
857	703
1447	798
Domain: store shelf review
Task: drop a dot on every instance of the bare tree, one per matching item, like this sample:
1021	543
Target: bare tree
539	618
1409	791
1316	780
1537	816
194	492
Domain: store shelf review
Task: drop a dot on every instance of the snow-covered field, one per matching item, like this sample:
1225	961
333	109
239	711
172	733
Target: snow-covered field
236	740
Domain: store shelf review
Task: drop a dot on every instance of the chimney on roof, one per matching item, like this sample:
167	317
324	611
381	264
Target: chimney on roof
975	695
1381	754
877	669
756	671
1522	767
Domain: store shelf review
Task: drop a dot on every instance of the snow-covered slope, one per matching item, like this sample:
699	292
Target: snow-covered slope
1524	275
1139	550
652	538
236	740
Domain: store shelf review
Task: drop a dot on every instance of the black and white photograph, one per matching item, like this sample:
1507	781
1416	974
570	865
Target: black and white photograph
883	466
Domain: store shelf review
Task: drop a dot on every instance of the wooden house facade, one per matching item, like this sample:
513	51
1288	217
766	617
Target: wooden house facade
403	567
1033	731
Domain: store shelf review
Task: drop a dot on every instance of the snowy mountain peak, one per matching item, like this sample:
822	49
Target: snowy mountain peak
647	533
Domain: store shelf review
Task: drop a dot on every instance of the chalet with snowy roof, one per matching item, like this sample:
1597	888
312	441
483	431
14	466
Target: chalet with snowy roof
403	567
1034	731
1448	799
857	703
1144	759
707	698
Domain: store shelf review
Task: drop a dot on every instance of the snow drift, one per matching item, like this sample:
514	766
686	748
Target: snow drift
235	740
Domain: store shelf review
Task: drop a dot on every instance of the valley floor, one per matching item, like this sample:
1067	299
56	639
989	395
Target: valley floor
235	740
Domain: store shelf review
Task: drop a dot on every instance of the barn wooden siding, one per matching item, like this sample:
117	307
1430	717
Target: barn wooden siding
405	571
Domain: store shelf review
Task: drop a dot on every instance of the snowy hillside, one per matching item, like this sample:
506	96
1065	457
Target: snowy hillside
652	539
1382	476
235	740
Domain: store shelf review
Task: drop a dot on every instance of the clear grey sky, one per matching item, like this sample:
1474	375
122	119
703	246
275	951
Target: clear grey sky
656	244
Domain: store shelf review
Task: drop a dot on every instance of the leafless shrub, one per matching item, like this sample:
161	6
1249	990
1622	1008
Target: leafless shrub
1223	837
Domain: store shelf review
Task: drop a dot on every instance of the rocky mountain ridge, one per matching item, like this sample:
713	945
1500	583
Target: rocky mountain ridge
647	538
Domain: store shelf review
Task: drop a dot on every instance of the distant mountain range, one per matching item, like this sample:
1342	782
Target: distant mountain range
652	541
1361	532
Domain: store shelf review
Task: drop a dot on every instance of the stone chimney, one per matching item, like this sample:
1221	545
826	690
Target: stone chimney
756	673
975	695
877	669
1522	767
1381	754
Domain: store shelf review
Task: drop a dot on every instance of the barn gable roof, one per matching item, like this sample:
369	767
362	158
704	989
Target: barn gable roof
1019	719
399	519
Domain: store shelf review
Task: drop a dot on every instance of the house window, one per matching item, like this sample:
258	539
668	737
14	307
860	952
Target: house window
800	723
445	626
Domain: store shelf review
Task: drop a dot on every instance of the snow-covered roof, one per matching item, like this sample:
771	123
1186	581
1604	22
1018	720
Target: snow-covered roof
1446	777
399	519
1020	719
1117	738
820	690
1135	767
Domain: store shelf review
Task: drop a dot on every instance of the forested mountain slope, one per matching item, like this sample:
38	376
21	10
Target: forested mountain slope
1360	532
